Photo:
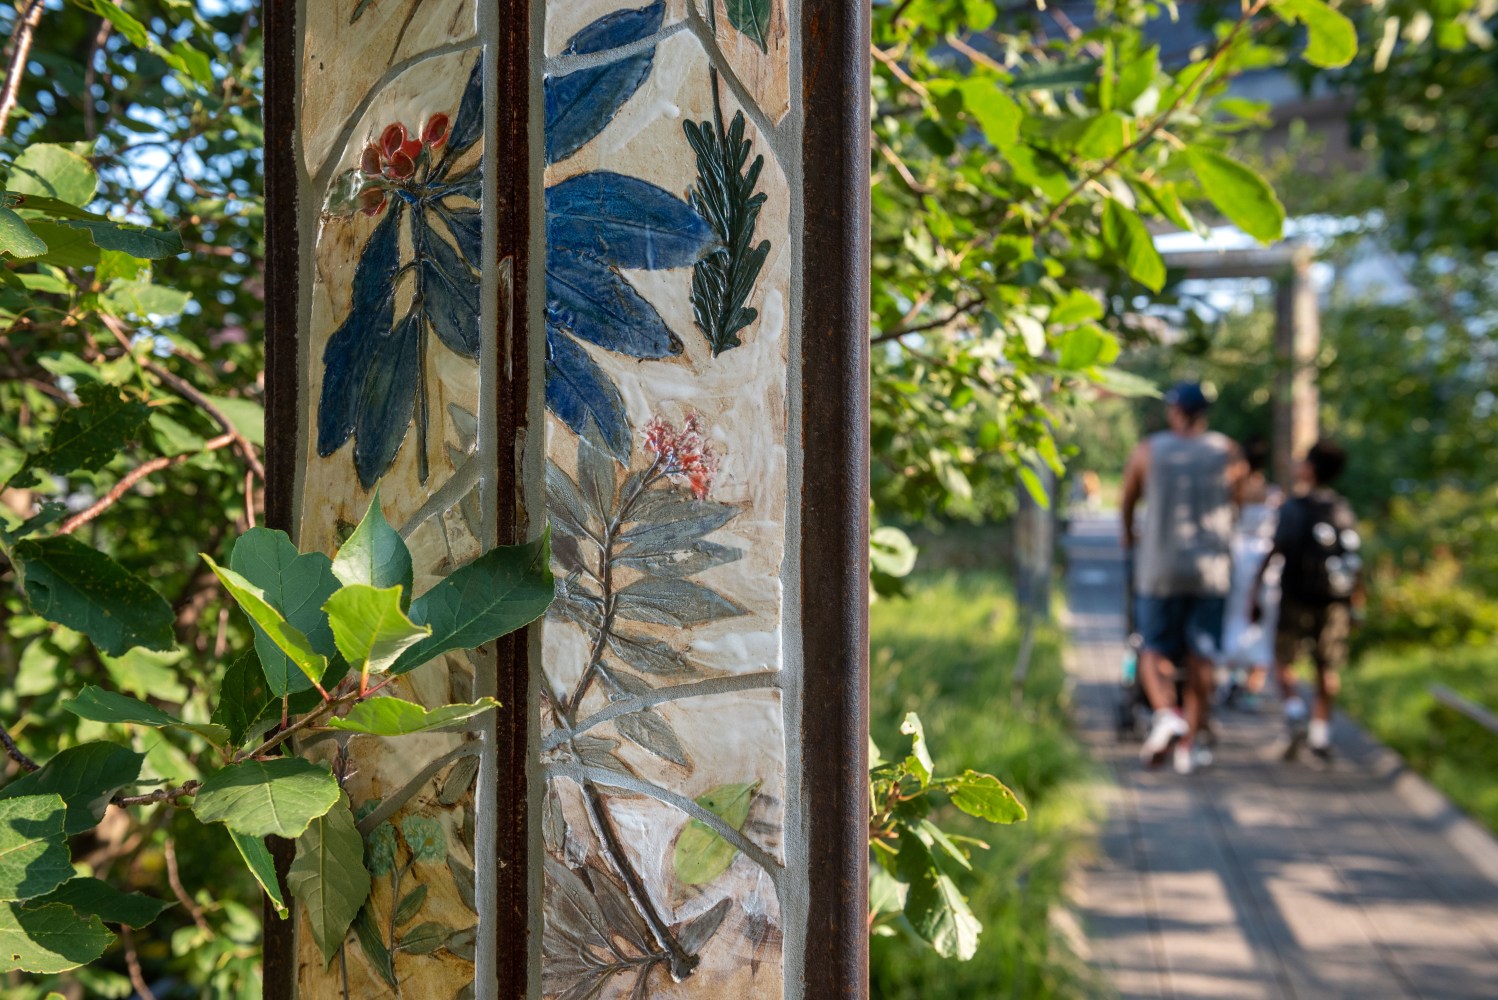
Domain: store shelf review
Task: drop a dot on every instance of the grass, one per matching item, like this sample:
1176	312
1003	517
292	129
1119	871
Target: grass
1387	689
947	652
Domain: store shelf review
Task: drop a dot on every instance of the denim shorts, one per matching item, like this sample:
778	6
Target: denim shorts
1180	623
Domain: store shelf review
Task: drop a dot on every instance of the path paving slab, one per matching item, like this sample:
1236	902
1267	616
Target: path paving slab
1260	879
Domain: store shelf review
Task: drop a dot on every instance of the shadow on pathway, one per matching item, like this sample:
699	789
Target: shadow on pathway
1260	879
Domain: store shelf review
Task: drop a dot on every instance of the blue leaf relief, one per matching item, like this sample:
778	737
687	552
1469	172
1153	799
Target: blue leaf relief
624	221
601	223
374	379
578	391
580	104
591	301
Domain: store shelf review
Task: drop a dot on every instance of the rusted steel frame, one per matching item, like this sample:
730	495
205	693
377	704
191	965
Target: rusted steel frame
282	266
835	493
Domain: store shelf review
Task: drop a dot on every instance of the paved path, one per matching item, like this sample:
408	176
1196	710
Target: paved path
1259	879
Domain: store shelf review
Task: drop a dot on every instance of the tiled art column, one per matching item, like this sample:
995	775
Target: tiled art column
598	265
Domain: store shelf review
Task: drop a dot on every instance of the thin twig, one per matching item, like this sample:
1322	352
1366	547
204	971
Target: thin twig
132	964
190	392
21	37
14	752
90	74
160	795
959	310
175	878
134	476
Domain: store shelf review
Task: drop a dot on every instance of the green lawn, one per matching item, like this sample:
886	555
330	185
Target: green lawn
947	653
1387	690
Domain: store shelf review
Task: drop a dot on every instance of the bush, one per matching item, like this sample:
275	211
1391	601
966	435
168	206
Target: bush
949	651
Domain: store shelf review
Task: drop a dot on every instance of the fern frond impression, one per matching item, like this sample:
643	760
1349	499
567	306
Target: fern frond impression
725	197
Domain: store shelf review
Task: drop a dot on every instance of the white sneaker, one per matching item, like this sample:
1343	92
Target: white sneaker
1185	760
1167	728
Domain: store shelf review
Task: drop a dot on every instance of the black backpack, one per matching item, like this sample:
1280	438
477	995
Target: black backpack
1322	560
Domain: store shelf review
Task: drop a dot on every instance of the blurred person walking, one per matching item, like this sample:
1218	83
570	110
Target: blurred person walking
1189	478
1318	546
1247	643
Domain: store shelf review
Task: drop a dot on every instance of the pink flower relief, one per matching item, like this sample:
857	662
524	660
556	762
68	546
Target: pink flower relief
683	454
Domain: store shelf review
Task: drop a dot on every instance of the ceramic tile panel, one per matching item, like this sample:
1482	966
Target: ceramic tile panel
665	750
668	277
392	158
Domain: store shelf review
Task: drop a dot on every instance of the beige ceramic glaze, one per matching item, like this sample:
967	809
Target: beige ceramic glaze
662	711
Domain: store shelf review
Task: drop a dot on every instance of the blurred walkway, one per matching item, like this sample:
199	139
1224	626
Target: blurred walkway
1259	879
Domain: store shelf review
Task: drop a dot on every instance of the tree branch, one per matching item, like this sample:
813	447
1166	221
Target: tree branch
959	310
160	795
14	752
134	476
21	37
190	392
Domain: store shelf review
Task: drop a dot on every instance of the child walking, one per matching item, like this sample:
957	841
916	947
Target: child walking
1320	581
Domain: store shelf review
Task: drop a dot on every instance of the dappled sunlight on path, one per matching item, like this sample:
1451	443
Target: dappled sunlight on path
1259	879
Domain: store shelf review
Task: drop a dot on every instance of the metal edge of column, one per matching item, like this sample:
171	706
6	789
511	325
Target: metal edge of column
282	267
513	859
835	38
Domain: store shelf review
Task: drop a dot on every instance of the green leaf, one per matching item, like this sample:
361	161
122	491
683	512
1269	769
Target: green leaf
297	585
1125	234
91	435
285	637
375	554
65	247
1030	479
258	859
892	552
17	238
394	717
137	241
502	590
34	857
93	897
1083	347
329	878
1239	193
108	706
49	940
934	907
752	17
67	582
267	798
1331	39
148	673
919	760
143	298
245	415
986	797
52	171
370	628
124	23
1076	307
701	852
242	697
86	776
997	113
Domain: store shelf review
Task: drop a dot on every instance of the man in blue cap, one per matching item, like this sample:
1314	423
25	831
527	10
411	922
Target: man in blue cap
1189	478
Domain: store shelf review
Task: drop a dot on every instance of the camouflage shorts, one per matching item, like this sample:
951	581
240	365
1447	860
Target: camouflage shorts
1320	628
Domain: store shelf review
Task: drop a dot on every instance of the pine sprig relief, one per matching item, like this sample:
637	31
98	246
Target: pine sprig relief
725	196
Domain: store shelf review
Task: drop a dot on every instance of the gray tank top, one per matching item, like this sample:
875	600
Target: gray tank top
1185	545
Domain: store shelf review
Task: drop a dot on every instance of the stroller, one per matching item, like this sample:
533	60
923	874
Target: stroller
1134	709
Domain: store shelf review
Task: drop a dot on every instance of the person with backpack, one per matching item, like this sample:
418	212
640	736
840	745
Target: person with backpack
1319	547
